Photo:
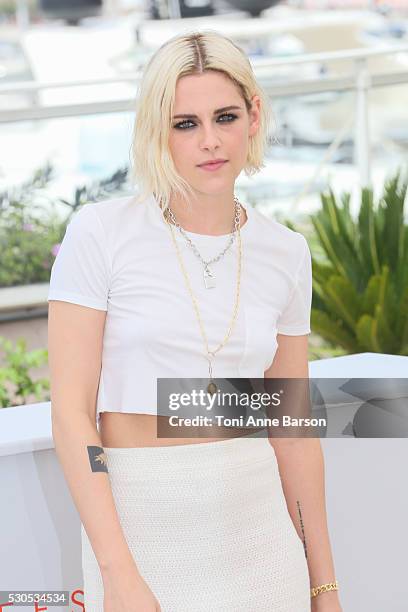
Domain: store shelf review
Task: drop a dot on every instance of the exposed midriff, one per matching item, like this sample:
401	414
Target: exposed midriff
126	430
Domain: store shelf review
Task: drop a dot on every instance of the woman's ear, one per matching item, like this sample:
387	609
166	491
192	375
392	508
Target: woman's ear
254	115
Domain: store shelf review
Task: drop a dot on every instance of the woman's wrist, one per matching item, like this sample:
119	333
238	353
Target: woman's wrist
118	567
326	602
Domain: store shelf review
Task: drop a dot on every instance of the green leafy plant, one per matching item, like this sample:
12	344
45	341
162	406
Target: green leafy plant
360	286
31	229
16	383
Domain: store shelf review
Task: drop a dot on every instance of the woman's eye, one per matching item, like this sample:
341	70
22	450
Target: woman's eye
182	124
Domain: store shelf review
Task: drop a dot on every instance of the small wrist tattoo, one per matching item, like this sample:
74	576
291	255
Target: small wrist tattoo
97	459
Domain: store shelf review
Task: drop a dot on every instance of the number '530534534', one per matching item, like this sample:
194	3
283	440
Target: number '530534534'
42	600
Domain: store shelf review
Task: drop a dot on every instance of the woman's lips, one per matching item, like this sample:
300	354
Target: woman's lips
212	167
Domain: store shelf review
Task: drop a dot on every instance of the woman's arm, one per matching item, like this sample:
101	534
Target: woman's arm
75	336
301	468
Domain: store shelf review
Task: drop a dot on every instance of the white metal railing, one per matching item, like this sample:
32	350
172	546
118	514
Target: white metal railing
258	63
360	80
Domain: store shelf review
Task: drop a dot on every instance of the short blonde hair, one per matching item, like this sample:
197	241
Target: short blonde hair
187	54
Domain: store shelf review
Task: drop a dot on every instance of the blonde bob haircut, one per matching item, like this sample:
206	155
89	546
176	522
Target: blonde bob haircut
187	54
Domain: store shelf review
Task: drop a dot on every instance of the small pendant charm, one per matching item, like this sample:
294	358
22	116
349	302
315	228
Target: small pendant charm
209	278
212	388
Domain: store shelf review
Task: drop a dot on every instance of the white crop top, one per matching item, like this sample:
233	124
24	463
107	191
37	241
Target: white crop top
118	256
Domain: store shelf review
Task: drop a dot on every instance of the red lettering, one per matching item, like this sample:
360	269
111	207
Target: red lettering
80	603
37	609
9	603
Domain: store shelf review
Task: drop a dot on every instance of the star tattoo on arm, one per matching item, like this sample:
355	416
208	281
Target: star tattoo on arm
97	459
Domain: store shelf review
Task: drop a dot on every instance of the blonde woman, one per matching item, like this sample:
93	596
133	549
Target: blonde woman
186	281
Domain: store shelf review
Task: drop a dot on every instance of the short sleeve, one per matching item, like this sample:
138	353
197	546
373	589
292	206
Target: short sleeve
81	270
295	318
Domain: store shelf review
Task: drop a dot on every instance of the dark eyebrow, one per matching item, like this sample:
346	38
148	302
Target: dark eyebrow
218	110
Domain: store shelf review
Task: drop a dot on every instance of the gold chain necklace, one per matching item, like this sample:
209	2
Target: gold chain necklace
211	387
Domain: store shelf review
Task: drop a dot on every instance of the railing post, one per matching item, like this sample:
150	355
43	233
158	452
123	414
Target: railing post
174	9
22	15
362	143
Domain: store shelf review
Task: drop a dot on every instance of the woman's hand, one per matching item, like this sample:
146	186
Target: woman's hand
127	591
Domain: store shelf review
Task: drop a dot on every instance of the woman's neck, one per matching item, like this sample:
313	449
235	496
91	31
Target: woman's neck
204	218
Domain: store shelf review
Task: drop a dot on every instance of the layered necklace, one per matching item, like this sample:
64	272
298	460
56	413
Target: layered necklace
210	282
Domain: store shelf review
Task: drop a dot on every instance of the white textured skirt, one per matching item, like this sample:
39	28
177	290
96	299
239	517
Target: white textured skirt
208	527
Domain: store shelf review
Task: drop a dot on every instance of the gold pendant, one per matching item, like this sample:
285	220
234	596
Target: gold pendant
212	388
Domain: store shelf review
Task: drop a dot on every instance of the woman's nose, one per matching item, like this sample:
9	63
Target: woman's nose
209	137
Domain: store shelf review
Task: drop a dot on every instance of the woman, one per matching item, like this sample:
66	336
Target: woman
186	281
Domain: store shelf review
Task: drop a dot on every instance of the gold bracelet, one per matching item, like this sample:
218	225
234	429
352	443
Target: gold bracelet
330	586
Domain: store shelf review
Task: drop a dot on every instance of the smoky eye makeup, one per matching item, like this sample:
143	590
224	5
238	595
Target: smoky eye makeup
181	125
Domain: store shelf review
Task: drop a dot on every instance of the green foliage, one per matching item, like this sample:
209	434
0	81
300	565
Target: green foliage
31	230
16	383
360	286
